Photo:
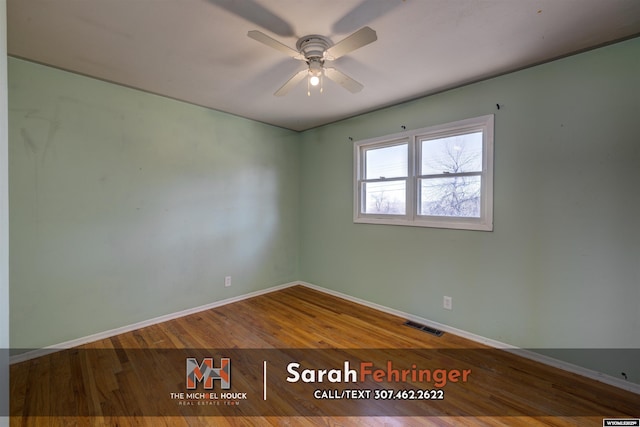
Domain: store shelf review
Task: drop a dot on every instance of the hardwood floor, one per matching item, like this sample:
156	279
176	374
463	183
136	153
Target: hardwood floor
135	379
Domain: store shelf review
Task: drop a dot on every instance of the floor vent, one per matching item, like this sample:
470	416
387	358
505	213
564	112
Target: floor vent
424	328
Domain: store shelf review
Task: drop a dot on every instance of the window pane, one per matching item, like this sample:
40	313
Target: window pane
386	162
453	154
388	197
455	196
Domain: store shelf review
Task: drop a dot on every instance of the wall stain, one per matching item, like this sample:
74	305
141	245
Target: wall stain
54	126
38	152
28	142
32	151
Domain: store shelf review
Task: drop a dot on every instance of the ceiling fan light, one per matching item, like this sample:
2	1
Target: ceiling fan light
315	71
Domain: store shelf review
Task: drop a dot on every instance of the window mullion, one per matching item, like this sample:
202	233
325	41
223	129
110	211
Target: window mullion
411	179
409	184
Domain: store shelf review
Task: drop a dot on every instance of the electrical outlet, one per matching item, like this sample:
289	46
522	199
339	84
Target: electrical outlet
447	303
227	281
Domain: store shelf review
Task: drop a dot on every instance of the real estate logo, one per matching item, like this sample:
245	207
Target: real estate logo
206	373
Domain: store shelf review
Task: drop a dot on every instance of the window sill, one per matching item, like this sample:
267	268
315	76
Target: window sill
446	223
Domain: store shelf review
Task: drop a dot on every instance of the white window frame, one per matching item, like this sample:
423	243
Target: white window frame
485	124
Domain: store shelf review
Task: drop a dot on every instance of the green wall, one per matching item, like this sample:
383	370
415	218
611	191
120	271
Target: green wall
562	266
125	206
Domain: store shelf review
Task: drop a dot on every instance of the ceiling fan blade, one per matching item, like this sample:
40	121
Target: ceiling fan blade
271	42
343	80
294	80
360	38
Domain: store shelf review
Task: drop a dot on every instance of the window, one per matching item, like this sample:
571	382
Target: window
440	176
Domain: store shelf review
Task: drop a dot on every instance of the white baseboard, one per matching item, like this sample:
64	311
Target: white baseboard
528	354
22	357
556	363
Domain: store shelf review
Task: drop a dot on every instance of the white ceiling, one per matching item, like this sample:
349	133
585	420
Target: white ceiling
198	50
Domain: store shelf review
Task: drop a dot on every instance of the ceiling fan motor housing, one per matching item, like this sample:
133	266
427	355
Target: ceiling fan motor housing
313	47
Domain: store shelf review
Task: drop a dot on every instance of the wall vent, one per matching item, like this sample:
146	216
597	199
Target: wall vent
425	328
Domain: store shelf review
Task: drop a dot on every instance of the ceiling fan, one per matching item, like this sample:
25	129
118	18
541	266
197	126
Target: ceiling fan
315	50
